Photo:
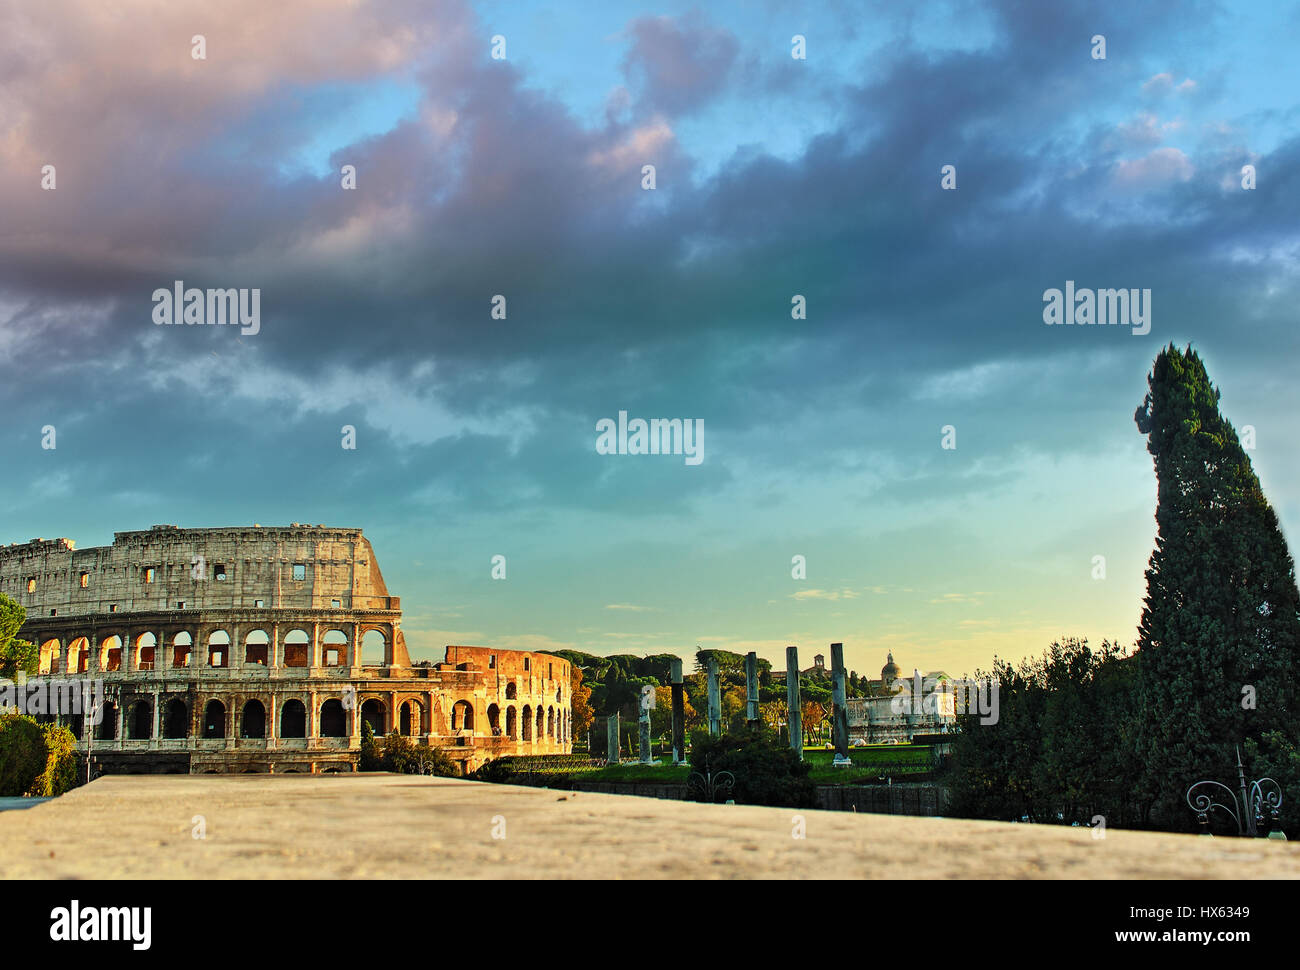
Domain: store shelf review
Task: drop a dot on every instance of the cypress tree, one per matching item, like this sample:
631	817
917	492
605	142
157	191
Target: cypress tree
1220	631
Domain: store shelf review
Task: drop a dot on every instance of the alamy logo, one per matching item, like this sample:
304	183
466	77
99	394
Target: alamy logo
1085	307
216	307
658	436
72	924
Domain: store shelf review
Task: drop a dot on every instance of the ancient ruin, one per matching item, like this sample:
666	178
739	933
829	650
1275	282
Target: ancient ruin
264	649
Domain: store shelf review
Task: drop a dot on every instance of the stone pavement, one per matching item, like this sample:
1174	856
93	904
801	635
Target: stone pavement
405	826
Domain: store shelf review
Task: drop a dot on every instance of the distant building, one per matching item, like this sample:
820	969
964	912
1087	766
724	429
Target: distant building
896	708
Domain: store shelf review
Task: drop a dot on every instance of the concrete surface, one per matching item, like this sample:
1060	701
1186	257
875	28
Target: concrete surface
404	826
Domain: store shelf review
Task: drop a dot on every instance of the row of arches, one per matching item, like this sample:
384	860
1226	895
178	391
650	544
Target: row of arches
530	724
216	724
143	651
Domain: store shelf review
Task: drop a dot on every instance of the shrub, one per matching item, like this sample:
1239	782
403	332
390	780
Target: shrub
23	754
495	770
766	771
61	762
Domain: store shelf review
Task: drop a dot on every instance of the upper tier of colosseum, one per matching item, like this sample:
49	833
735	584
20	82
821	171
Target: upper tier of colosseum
169	568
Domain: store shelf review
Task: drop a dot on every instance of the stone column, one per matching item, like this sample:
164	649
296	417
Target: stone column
157	700
793	700
751	689
679	713
715	700
275	652
92	663
644	734
313	720
611	735
128	649
839	697
313	661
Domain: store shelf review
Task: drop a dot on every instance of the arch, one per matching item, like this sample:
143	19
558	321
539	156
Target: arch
110	653
176	719
79	655
214	720
141	726
145	651
334	649
106	730
527	723
293	719
257	648
462	716
182	649
374	649
252	720
512	691
218	649
550	723
411	718
541	724
296	644
511	720
494	718
333	721
374	712
51	655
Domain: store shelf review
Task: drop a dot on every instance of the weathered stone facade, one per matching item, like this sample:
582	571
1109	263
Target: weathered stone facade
263	650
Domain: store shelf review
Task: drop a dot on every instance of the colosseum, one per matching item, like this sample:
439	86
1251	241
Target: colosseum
263	650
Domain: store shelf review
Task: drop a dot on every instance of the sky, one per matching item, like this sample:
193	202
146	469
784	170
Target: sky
775	176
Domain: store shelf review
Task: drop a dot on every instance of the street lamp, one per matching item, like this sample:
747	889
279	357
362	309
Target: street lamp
1249	812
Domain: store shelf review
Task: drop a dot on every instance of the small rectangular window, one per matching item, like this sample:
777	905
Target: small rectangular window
31	584
335	604
299	570
259	603
180	604
492	661
54	612
219	573
85	580
148	575
112	607
528	663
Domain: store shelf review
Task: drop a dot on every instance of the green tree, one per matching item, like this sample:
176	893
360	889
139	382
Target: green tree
60	772
22	754
766	771
580	695
15	654
1220	632
371	753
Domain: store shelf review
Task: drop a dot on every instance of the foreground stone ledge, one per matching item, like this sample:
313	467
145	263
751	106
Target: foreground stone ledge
410	827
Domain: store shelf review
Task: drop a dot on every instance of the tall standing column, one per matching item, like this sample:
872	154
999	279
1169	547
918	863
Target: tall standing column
643	733
751	688
793	700
612	741
839	696
715	700
679	713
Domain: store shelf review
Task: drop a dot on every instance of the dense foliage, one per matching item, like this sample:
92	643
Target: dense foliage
766	771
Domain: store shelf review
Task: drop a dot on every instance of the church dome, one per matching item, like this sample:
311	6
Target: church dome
890	671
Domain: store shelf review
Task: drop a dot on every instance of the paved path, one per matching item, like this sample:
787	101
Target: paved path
8	804
404	826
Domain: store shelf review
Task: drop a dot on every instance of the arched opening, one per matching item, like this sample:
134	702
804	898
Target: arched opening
106	729
219	649
51	655
411	719
333	722
296	643
550	722
141	721
462	716
78	656
110	653
512	691
257	648
176	719
494	718
214	720
511	730
373	712
334	649
541	723
528	723
374	649
146	645
182	649
293	720
252	720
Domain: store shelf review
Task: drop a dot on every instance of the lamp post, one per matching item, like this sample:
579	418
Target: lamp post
1248	813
